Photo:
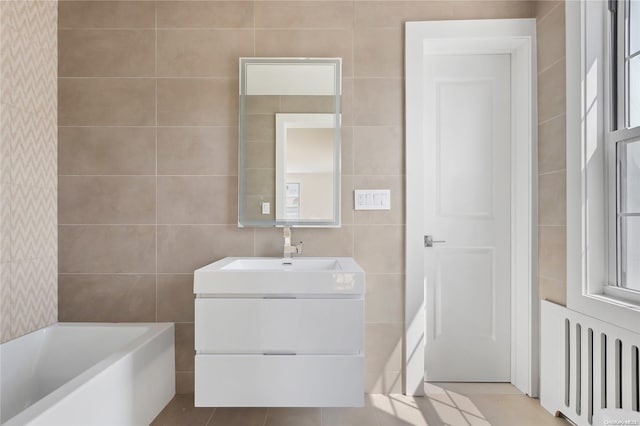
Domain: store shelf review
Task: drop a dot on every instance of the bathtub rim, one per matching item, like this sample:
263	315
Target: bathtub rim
78	382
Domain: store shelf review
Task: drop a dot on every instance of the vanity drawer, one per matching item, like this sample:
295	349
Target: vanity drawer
279	380
312	326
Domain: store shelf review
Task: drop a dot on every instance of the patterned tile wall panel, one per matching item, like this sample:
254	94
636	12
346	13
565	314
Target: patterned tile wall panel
28	166
33	299
5	295
5	241
33	222
33	146
5	27
5	222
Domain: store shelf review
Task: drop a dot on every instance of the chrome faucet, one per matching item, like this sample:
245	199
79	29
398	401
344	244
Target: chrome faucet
288	248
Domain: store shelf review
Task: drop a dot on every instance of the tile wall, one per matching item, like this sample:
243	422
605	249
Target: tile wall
552	205
28	177
148	112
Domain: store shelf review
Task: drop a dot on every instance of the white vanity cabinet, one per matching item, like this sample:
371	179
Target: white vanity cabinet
274	334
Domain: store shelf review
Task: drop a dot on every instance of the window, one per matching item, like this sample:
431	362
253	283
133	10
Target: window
632	62
629	213
623	145
603	140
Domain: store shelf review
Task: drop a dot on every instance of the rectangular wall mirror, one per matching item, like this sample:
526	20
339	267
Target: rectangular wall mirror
289	159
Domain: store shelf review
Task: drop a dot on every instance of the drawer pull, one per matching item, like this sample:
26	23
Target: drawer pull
278	353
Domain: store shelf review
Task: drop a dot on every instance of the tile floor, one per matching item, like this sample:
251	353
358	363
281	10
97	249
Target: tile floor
450	404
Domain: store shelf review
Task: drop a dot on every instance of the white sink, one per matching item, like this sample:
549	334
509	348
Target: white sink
269	276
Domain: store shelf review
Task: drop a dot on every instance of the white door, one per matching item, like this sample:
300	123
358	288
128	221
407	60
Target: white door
467	130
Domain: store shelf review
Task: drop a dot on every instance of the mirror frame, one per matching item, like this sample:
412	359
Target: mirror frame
334	222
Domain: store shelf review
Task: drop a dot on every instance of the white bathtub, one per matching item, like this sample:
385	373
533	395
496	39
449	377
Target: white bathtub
87	374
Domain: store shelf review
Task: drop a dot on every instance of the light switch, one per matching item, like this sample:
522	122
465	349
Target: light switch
372	199
266	208
369	199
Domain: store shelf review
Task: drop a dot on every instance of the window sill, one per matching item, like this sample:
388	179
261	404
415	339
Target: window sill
620	297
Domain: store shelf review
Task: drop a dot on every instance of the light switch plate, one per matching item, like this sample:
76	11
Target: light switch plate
266	208
372	199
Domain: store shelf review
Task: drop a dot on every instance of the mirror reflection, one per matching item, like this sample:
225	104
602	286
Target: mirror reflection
289	142
304	167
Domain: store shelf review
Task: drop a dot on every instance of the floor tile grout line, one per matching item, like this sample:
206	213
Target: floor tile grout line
208	423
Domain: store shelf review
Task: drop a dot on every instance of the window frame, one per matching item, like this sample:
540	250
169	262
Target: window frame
589	144
617	132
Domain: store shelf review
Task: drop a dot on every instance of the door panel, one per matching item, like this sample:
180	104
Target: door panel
466	102
467	204
456	271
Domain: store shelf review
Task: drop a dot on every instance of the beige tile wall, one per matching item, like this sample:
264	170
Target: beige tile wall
28	177
148	118
552	203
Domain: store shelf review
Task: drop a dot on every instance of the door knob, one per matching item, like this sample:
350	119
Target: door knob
428	241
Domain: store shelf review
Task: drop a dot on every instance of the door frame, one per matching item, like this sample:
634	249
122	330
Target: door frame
516	37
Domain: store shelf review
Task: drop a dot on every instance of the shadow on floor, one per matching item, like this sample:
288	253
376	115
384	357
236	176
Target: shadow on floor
445	404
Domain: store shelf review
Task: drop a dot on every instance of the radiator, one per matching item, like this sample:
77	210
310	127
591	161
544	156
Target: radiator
587	366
